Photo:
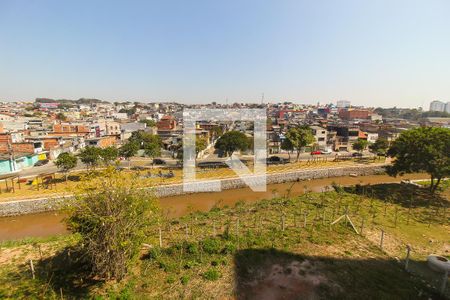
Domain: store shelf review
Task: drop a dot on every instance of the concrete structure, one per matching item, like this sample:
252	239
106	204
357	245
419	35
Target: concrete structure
320	134
21	207
351	114
343	104
437	106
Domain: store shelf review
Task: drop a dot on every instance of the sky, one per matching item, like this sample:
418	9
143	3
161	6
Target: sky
373	53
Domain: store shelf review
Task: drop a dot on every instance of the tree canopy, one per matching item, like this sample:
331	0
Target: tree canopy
66	162
109	155
149	142
286	144
149	123
380	146
90	156
232	141
423	149
129	149
360	145
299	137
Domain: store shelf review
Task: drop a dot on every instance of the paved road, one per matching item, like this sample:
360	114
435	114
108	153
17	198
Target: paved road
50	167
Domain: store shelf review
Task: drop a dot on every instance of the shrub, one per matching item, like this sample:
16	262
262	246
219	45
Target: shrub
185	279
191	248
111	216
211	246
211	274
229	248
171	279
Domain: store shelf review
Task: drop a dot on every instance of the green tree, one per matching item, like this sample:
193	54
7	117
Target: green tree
380	146
66	162
200	144
423	149
90	156
111	215
61	116
300	137
287	145
149	142
109	155
232	141
129	150
360	145
216	131
149	123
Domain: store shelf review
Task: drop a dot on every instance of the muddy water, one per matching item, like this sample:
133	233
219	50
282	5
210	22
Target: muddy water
46	224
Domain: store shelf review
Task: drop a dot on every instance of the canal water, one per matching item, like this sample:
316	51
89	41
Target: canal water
51	223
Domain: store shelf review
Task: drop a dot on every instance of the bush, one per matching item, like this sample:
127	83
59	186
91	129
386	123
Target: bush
229	248
171	279
185	279
211	274
211	246
111	216
191	248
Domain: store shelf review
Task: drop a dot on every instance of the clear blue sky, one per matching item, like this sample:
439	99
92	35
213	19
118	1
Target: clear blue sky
379	52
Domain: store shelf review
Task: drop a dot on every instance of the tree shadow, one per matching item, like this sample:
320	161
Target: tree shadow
68	272
275	274
399	193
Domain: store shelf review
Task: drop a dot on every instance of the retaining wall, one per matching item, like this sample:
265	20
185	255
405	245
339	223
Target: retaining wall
21	207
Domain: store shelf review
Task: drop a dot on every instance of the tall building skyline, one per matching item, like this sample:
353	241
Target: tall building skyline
438	105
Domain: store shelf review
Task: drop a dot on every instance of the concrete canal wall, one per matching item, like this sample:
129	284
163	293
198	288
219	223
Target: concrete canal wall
21	207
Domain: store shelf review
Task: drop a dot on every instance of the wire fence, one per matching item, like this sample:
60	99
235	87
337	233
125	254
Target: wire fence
381	223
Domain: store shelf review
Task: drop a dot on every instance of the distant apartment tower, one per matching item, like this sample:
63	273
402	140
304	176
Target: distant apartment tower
437	106
447	107
343	103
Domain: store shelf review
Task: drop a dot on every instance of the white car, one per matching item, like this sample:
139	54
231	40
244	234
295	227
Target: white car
326	151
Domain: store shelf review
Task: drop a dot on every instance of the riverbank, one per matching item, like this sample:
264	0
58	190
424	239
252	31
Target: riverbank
281	248
50	223
53	203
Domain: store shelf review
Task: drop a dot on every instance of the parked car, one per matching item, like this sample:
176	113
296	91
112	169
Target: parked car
326	151
159	161
317	152
276	160
41	163
357	154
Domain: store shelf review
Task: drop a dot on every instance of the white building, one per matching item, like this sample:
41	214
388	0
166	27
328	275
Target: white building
447	107
343	103
437	106
320	135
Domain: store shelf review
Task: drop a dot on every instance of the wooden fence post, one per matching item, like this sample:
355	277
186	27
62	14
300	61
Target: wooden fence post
362	227
382	239
32	268
396	216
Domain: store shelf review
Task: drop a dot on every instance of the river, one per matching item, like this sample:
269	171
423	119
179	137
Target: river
50	223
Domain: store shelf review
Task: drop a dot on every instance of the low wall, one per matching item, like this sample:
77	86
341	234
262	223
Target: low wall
21	207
